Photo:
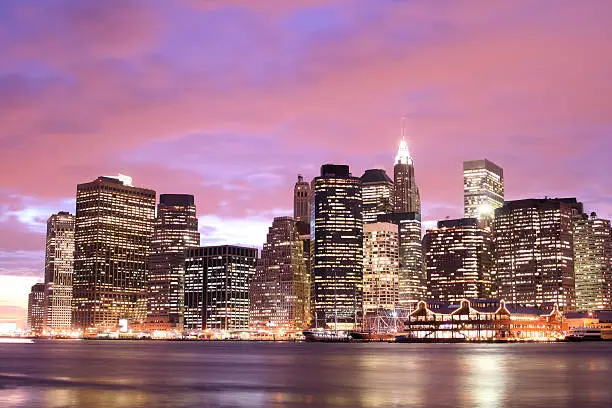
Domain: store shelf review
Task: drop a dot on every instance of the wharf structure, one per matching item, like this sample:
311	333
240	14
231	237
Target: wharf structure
482	320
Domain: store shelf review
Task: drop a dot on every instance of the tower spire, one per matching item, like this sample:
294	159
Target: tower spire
403	154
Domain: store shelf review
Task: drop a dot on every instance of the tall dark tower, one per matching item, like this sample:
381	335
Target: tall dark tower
338	248
114	225
176	229
301	200
406	193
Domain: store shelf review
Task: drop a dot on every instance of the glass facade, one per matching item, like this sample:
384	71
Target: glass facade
59	268
533	251
36	308
483	188
380	267
114	225
175	230
338	248
280	289
377	194
217	282
592	262
458	260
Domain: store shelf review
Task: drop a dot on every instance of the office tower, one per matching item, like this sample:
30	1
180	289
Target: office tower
175	230
217	287
412	277
380	266
36	308
301	200
377	194
406	198
114	225
280	289
338	248
59	267
458	260
533	251
483	188
592	262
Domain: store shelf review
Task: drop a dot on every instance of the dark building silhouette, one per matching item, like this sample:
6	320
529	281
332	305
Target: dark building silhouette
338	248
217	282
301	200
458	260
533	251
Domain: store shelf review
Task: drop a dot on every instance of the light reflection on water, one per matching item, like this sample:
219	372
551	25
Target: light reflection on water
173	374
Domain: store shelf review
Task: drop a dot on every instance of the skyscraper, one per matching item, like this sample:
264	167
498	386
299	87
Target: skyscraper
301	200
380	266
59	267
458	259
36	308
377	193
412	277
217	287
338	248
406	197
592	262
280	289
114	225
483	188
533	251
175	230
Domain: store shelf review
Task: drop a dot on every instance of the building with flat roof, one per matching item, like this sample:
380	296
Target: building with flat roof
483	188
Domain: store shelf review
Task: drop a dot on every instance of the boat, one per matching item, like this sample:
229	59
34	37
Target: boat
583	334
329	336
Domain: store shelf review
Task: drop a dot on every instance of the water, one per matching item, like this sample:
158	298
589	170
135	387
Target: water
118	374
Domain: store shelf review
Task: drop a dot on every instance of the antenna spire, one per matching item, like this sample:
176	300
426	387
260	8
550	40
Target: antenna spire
404	127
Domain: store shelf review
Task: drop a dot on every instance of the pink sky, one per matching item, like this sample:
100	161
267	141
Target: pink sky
229	100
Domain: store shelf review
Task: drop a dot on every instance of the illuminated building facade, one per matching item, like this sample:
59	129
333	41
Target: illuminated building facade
458	260
406	197
380	266
533	251
217	282
114	225
59	267
36	308
412	275
175	230
338	248
377	194
481	320
301	200
483	188
280	289
592	262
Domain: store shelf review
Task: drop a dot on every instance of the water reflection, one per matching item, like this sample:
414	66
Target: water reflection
165	374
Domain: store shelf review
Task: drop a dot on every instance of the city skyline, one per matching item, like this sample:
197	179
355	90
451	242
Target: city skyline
249	182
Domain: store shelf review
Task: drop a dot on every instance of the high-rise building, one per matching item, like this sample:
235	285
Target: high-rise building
280	289
380	266
412	276
338	248
592	262
217	282
114	225
377	194
458	260
406	197
483	188
533	251
36	308
59	267
175	230
301	200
